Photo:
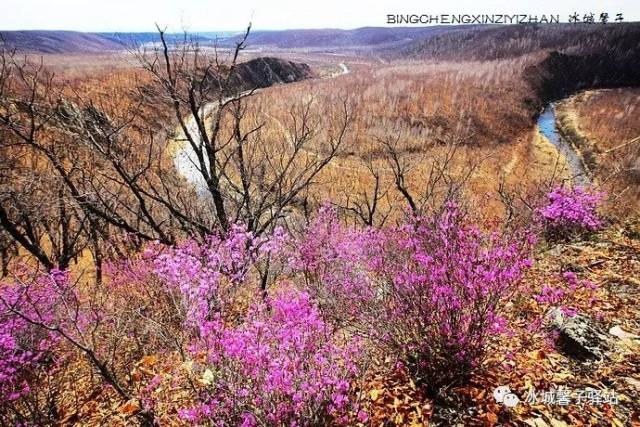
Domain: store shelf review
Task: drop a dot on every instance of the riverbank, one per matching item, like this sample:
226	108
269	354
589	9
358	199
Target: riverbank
548	124
600	124
568	126
184	157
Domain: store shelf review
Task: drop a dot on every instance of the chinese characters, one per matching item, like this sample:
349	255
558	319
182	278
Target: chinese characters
591	18
564	396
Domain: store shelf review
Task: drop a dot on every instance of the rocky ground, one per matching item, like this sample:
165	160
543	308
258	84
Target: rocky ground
577	369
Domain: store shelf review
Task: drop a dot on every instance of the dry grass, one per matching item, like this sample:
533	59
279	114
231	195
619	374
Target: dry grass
604	121
483	105
609	116
480	105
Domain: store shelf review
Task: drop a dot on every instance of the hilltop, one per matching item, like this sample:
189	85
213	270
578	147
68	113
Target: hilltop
57	42
442	42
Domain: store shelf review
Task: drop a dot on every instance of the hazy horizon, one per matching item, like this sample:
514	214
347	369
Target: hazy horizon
208	16
253	29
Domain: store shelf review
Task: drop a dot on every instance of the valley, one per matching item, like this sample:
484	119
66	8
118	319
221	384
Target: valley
379	226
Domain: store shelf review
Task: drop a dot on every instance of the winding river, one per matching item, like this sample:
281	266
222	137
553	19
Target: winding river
548	128
185	159
186	163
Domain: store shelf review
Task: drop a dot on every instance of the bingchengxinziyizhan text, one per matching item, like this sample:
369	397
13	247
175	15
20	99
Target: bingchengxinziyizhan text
444	19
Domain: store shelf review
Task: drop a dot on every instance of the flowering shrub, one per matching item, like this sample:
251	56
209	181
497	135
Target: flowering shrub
277	363
22	345
207	274
14	360
51	317
280	367
447	284
431	293
571	210
337	264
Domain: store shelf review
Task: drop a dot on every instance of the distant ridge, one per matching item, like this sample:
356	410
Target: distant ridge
489	42
129	39
57	41
38	41
469	42
366	37
374	37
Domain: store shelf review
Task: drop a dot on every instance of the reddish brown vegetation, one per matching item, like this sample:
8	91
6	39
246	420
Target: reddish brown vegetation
87	174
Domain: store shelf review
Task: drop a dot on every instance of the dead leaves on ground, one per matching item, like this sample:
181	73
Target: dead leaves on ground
528	360
524	361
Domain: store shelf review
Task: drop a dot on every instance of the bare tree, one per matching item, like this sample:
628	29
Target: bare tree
72	172
248	179
8	250
441	183
364	205
79	171
34	208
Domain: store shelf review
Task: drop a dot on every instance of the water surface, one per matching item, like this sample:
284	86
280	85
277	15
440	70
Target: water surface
548	128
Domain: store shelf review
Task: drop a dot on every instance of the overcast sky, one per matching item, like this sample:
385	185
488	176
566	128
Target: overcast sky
209	15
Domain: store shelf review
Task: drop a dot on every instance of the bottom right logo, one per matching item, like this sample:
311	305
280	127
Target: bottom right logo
503	395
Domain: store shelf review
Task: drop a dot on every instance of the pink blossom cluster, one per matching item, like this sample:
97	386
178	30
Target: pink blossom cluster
338	264
280	363
14	360
207	274
282	366
561	293
22	345
429	291
571	210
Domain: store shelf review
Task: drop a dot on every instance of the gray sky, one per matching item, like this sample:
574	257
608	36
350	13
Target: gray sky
203	15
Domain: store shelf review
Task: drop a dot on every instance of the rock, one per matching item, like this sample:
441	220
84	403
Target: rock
618	332
579	336
556	251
